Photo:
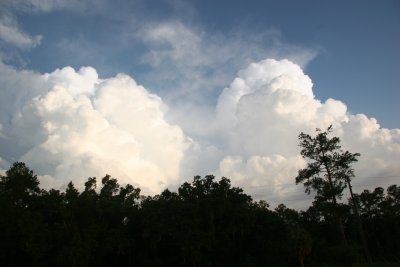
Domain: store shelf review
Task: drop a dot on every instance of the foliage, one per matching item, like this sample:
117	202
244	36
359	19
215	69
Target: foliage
207	222
328	169
328	173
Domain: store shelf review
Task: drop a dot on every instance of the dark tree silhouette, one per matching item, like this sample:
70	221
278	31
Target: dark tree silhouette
207	222
327	173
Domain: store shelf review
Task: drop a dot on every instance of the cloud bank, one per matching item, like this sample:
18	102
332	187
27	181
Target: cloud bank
71	124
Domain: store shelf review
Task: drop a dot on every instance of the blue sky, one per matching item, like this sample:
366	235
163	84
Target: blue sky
220	87
355	42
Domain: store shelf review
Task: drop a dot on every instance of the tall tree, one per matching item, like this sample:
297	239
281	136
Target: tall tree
328	171
20	184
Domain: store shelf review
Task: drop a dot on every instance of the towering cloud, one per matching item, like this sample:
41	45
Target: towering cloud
268	105
74	125
68	125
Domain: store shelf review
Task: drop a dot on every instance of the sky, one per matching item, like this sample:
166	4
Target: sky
154	92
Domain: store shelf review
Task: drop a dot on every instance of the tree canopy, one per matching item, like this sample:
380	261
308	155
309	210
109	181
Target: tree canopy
206	222
328	168
328	173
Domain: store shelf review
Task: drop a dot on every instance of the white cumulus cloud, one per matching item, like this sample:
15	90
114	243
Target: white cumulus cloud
261	114
80	126
71	124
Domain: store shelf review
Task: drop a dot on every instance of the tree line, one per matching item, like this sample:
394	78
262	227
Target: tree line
206	222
